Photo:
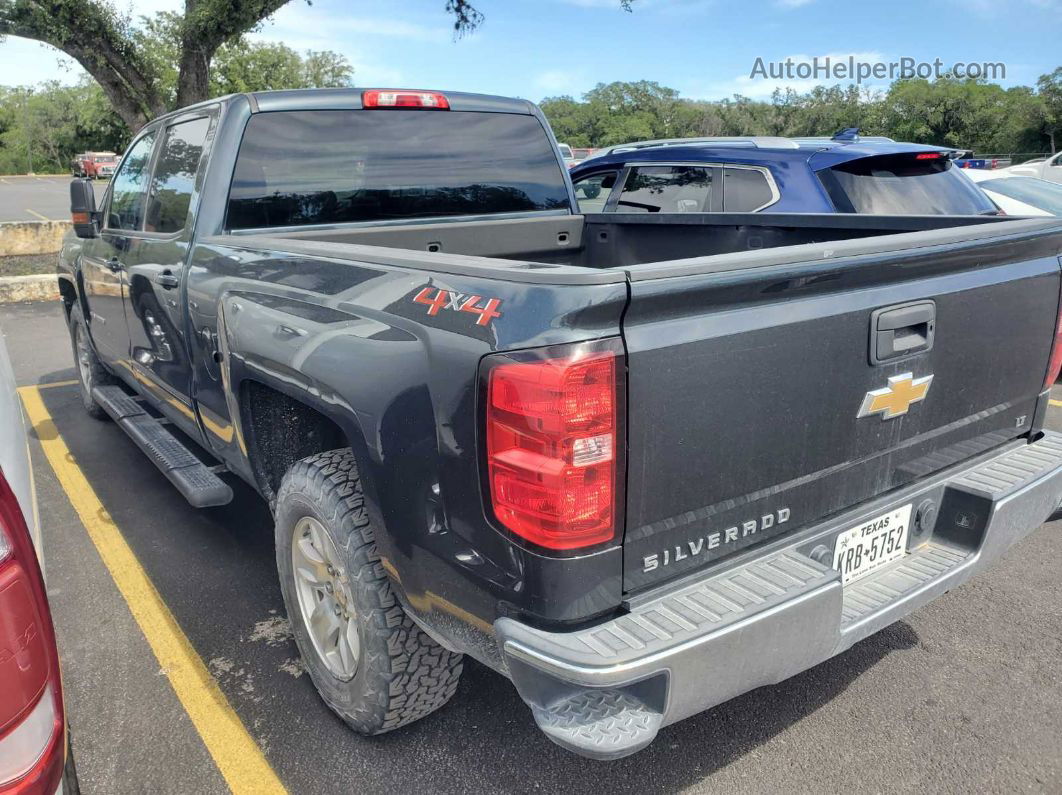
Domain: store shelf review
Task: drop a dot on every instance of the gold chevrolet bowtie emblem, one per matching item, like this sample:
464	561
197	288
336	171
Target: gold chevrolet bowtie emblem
895	399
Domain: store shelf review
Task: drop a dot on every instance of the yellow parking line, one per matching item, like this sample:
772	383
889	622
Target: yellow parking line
34	212
55	384
238	757
1055	402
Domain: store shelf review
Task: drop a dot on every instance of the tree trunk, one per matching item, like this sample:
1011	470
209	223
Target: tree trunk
193	82
125	104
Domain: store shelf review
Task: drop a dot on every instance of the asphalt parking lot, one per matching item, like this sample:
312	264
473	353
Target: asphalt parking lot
38	198
964	695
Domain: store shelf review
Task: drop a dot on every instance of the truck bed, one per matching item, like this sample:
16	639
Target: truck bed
616	240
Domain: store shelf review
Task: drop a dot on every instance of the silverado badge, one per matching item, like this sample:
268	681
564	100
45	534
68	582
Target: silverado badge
895	399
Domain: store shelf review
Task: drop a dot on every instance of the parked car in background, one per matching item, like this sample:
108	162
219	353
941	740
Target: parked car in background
94	165
1019	195
34	752
778	175
567	155
964	158
1049	169
632	146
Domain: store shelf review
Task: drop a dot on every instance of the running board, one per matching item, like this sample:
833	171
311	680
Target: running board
192	478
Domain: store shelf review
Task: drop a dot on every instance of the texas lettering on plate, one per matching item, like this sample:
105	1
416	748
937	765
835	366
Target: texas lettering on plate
872	544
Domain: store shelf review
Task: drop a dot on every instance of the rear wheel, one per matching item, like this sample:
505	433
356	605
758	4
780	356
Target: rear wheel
90	372
371	664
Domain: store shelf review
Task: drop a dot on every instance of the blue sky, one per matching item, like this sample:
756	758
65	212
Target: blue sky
703	48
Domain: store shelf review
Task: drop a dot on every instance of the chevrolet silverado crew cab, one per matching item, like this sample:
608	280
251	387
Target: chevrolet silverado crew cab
638	464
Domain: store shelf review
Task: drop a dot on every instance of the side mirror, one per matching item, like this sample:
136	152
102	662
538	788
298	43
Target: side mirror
83	209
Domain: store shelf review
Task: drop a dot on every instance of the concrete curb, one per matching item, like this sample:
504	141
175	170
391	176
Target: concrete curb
29	288
31	237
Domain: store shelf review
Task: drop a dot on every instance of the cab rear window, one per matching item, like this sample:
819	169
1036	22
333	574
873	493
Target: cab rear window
296	168
903	185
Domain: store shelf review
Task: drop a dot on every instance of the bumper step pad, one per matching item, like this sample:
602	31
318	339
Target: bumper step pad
868	596
601	724
191	477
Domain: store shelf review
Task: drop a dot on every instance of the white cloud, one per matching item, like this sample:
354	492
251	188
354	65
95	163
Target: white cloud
669	7
25	62
306	23
557	81
592	3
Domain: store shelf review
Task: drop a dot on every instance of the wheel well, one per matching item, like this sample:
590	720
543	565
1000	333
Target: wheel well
280	430
69	296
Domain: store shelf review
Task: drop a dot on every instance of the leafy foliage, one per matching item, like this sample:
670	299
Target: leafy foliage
140	84
970	114
239	64
43	127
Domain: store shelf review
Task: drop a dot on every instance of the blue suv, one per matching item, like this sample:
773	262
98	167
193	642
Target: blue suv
844	174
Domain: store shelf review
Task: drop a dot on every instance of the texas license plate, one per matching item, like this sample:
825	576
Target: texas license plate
872	544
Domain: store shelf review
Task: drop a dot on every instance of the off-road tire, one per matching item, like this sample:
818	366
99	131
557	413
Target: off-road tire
402	673
93	371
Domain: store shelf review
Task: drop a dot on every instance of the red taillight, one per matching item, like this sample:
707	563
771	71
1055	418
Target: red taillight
398	98
928	156
554	449
1054	364
32	735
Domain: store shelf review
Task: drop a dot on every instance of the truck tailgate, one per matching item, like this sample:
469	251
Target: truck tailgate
771	389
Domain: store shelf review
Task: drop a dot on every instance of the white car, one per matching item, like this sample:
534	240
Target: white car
34	754
570	160
1016	194
1049	169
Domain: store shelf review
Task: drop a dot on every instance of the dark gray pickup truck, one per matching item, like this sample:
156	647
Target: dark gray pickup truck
637	463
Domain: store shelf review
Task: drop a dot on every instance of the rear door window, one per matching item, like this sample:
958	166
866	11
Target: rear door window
667	189
334	166
592	192
173	182
903	185
746	190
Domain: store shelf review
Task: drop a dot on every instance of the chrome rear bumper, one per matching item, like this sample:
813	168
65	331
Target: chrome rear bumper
605	691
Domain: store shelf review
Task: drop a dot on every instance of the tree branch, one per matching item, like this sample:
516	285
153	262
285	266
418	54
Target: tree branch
96	37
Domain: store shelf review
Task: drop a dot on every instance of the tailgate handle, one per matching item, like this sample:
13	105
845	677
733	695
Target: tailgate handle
899	331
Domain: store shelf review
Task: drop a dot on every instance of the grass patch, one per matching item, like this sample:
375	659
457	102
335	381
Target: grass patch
28	264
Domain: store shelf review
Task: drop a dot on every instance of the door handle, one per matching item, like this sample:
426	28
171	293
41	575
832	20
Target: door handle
113	264
166	280
903	330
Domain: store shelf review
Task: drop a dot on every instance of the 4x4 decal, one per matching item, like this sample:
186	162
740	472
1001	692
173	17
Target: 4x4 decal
459	302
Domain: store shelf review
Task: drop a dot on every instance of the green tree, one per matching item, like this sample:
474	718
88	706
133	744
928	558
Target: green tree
1049	88
238	65
968	114
41	128
108	44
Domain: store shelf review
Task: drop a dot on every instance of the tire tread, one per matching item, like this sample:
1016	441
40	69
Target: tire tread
416	675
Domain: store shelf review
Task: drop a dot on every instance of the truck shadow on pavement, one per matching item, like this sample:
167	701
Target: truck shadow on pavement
215	569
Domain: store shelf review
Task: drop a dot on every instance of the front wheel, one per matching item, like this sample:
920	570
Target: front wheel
90	372
371	664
